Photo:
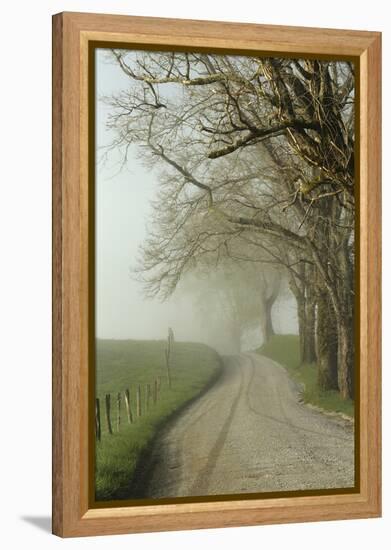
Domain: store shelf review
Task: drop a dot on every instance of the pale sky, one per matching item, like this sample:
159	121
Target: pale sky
122	209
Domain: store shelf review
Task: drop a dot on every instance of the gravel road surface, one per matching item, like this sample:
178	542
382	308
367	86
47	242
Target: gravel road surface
249	433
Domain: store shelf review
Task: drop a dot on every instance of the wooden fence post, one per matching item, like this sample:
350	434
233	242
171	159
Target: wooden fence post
148	395
155	391
97	419
128	408
138	401
167	354
118	411
108	413
171	337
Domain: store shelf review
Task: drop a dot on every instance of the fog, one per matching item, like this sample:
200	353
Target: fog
123	195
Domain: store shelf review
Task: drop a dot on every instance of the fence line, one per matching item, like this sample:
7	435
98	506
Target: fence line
144	402
140	406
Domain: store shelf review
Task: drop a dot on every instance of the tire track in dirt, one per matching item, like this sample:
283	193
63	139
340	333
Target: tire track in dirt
250	433
201	482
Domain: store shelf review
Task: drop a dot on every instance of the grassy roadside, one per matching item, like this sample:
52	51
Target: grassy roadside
124	364
284	349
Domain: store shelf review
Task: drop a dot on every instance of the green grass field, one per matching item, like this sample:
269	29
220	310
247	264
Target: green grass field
284	349
123	364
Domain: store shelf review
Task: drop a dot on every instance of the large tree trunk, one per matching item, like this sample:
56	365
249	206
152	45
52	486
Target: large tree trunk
346	323
346	326
269	294
345	360
336	276
301	318
266	320
326	343
309	351
307	327
343	335
306	318
309	348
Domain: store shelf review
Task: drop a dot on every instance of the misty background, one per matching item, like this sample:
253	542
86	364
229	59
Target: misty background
123	208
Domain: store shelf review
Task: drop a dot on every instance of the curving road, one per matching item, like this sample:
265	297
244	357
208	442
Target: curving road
249	433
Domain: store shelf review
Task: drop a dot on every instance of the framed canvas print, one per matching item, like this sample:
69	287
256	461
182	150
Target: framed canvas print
216	268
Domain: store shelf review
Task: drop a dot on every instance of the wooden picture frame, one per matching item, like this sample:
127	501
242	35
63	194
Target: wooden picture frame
72	34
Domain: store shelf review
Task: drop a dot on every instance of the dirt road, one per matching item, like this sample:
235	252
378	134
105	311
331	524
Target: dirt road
249	433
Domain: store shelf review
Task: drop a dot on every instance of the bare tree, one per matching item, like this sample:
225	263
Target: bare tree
258	149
